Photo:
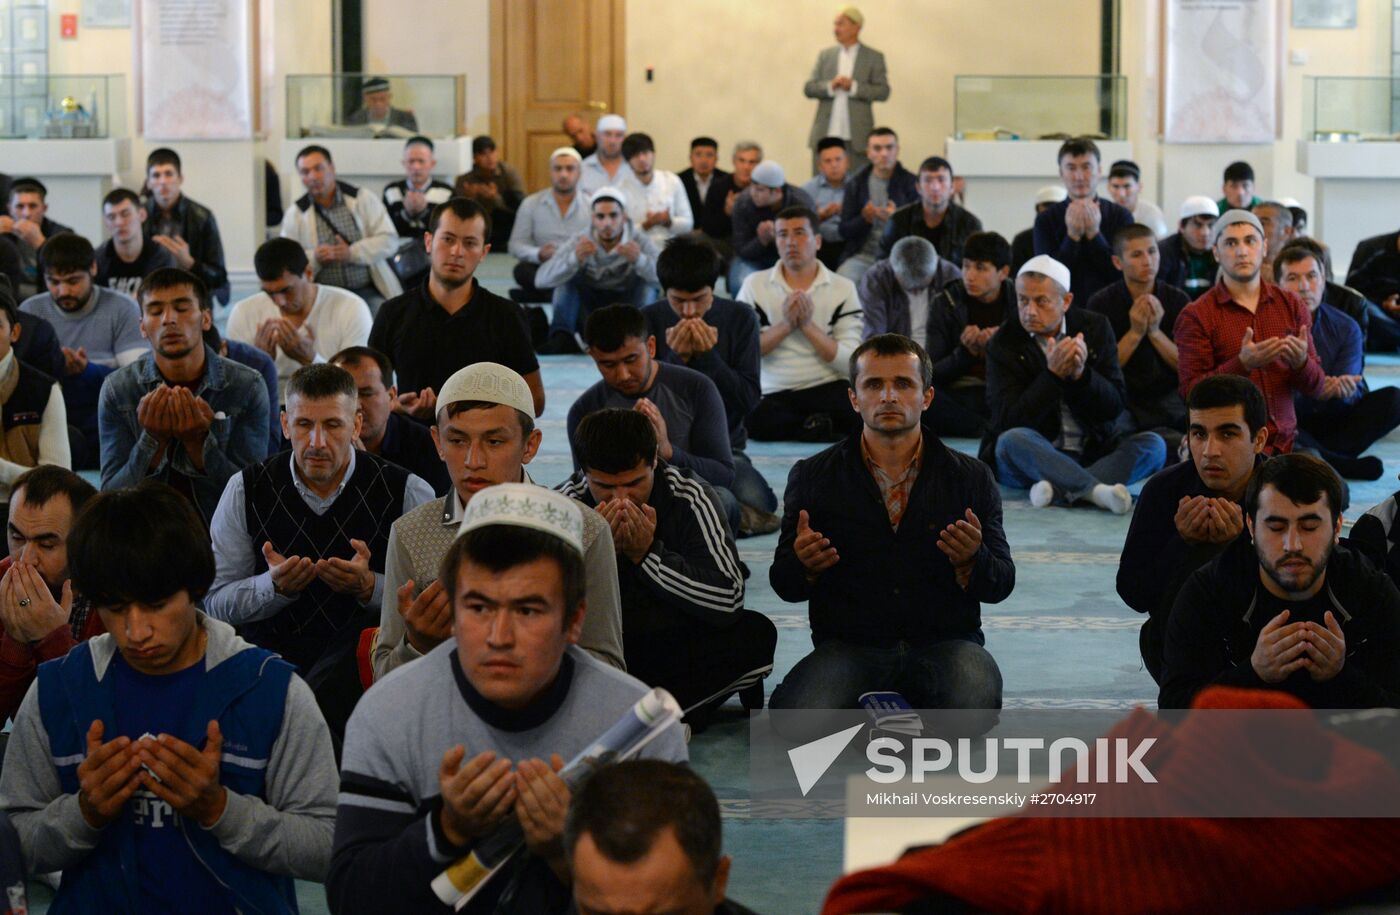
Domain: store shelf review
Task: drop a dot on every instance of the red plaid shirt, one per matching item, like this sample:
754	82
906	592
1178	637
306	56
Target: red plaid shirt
1208	334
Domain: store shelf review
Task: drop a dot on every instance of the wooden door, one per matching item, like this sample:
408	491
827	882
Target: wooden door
549	59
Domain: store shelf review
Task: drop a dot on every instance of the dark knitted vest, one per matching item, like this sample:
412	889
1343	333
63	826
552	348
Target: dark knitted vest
22	415
370	502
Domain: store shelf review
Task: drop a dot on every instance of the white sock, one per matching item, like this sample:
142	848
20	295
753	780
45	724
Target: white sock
1115	498
1042	494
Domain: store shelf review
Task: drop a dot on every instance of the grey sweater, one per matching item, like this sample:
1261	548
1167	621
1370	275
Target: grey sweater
389	844
289	833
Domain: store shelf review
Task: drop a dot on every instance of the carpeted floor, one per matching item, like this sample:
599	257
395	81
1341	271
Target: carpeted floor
1062	638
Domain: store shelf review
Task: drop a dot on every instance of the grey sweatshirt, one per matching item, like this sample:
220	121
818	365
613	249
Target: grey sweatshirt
289	833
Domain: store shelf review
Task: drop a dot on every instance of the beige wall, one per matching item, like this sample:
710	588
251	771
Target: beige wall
735	68
1362	51
401	39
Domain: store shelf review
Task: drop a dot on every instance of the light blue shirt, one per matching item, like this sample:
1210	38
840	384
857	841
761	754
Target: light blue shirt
593	176
823	193
238	595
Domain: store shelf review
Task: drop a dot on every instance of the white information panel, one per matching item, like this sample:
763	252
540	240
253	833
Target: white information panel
195	66
1222	73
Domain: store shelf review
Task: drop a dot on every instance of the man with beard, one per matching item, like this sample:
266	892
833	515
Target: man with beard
1246	326
1287	608
182	413
894	540
611	262
451	321
547	219
41	616
606	167
98	330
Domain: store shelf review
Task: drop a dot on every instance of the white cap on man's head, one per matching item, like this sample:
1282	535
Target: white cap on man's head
490	382
612	122
1199	206
853	14
1051	193
567	151
526	505
1046	265
769	174
608	192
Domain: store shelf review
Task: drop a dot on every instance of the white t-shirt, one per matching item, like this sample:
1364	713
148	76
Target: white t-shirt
338	318
665	192
794	365
918	316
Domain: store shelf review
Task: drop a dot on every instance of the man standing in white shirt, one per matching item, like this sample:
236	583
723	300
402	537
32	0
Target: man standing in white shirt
810	323
847	79
606	167
656	199
295	320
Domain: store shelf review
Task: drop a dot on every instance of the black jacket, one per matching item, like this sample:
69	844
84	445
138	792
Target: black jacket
1215	624
1375	267
200	229
1155	560
1375	535
710	217
1350	303
1022	249
904	189
957	225
948	315
692	574
1022	391
891	585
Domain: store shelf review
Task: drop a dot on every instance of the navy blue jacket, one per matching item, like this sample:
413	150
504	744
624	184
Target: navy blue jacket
732	365
904	188
892	585
1090	260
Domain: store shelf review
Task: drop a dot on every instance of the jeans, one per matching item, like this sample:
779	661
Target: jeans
739	268
1025	457
959	412
729	503
783	415
854	267
1355	427
576	300
951	673
749	486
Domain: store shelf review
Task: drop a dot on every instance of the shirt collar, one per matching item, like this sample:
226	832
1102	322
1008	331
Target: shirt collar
778	278
453	507
875	468
305	490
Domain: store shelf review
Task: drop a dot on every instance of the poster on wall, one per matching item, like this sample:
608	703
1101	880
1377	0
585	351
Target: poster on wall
195	69
1221	71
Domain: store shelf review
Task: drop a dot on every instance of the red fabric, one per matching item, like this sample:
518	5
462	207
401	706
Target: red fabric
1114	865
19	660
1208	334
364	656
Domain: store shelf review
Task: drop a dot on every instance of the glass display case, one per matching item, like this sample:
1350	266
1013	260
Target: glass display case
375	105
1040	107
1351	109
81	107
